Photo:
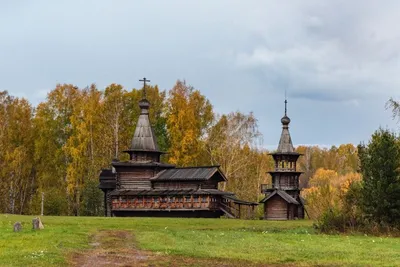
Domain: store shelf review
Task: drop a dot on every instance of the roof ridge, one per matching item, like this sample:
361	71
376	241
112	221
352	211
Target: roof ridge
195	167
191	173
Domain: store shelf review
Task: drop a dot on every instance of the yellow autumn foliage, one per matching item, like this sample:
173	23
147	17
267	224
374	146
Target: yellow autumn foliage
188	115
327	190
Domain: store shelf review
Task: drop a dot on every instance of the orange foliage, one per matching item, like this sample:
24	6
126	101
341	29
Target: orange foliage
327	190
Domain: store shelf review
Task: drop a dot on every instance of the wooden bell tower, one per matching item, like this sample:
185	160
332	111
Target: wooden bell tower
282	197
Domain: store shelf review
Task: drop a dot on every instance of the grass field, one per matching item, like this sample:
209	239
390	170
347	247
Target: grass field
190	242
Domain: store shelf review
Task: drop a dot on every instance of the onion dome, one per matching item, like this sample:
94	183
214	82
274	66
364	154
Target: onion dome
144	105
285	120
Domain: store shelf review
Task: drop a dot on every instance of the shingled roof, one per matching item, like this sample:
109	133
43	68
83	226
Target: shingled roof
144	138
285	143
190	173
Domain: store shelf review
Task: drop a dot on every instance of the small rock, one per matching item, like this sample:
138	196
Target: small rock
37	224
41	226
17	227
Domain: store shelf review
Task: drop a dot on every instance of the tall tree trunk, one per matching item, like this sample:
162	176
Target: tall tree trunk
116	134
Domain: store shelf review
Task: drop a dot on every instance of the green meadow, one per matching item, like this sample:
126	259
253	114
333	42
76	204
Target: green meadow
201	242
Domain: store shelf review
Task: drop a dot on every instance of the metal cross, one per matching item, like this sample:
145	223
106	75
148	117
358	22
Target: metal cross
285	107
285	103
144	80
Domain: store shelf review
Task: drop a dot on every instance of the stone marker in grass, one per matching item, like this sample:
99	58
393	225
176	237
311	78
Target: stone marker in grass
17	227
37	224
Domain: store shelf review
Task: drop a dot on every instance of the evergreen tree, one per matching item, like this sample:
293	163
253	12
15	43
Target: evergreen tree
380	162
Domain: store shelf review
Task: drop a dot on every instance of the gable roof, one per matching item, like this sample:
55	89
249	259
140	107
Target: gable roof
288	198
190	174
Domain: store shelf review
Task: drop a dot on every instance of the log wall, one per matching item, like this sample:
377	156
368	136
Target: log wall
209	185
176	185
137	179
300	212
276	209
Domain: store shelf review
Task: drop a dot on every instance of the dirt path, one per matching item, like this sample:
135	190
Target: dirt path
111	248
117	248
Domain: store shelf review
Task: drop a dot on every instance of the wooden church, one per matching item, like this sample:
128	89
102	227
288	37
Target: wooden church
282	199
144	186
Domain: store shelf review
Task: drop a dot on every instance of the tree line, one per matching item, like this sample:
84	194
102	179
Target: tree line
364	201
59	147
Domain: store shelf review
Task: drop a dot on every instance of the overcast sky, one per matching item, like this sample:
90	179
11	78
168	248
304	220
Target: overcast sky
337	60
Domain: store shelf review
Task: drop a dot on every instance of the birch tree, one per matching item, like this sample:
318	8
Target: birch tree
189	114
53	128
233	142
16	159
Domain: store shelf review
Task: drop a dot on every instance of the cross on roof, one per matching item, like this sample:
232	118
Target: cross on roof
285	103
144	80
285	107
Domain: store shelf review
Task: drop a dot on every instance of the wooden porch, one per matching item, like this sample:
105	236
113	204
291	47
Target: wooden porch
230	206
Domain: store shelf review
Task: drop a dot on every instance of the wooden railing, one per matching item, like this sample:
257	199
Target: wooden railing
278	169
230	210
237	210
229	207
192	202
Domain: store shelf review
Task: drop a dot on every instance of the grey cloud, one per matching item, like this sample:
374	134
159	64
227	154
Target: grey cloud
338	53
334	58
